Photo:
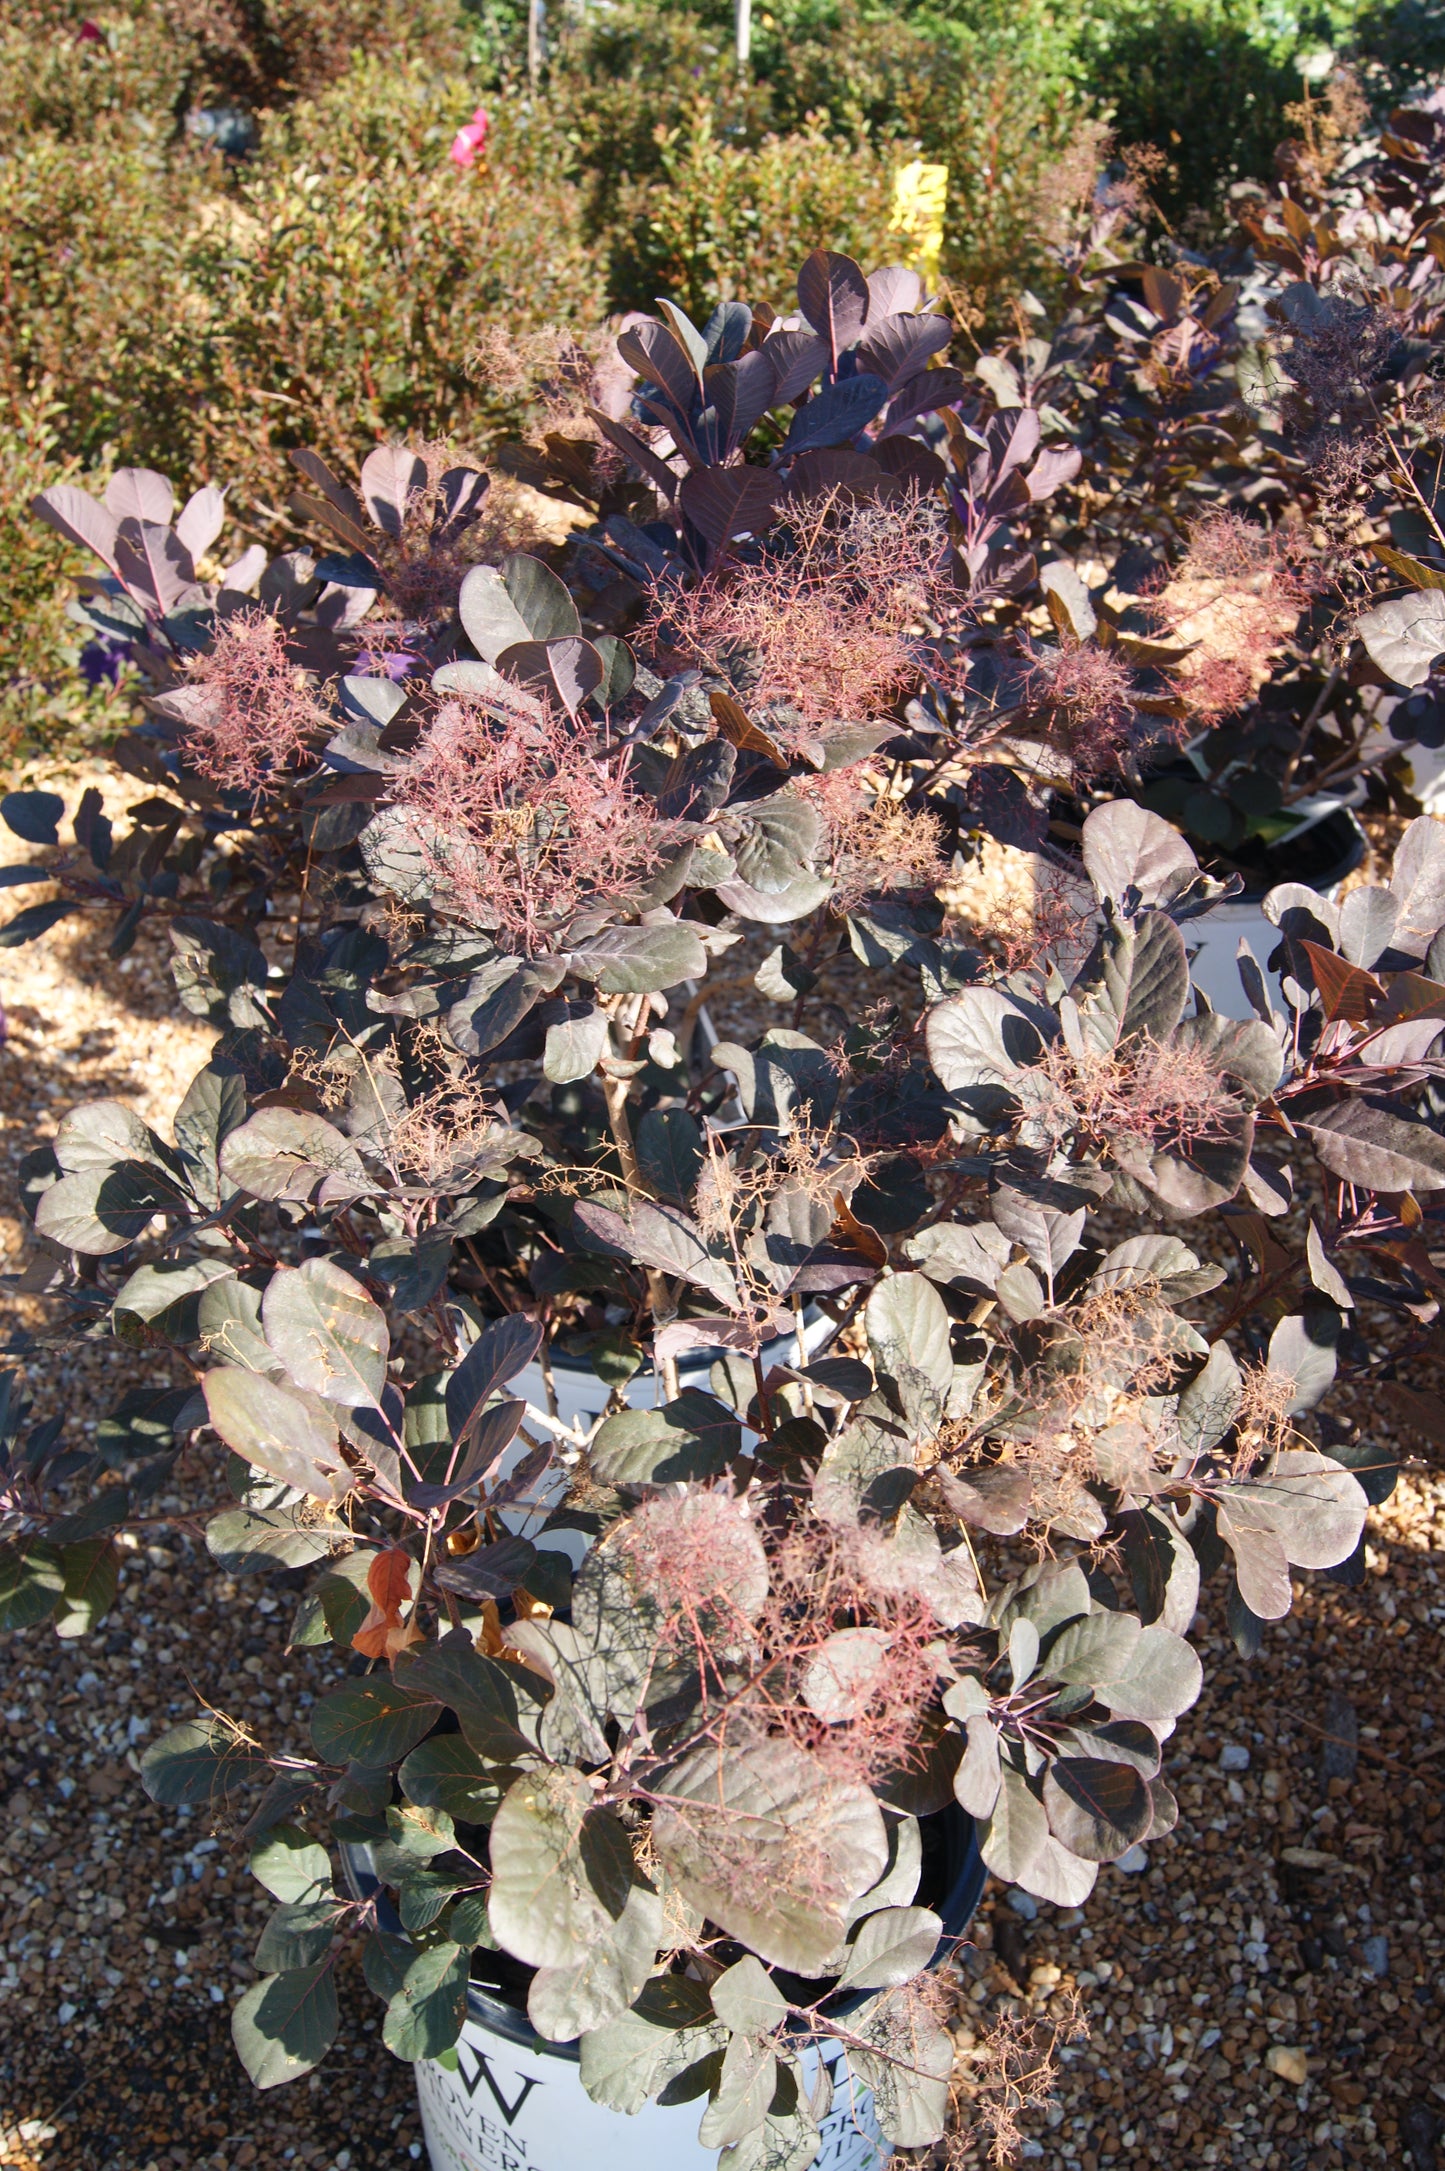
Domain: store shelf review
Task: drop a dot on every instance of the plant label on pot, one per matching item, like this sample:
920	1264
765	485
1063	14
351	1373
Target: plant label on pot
507	2107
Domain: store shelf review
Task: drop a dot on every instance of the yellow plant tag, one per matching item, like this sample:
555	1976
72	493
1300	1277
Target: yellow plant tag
920	198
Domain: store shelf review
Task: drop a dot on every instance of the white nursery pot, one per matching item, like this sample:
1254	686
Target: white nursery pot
521	2106
1214	939
581	1394
582	1397
1427	776
516	2103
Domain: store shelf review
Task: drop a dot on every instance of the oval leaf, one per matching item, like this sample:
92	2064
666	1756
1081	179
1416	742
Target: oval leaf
285	2024
276	1432
324	1328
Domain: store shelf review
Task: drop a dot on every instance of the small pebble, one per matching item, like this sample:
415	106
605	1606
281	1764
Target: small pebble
1023	1903
1234	1757
1290	2064
1377	1955
1135	1861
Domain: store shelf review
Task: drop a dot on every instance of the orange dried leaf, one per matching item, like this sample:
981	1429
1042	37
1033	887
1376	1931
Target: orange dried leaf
848	1229
384	1632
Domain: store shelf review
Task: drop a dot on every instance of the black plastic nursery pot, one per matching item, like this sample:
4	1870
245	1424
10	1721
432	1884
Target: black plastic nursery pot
1319	855
1325	845
515	2102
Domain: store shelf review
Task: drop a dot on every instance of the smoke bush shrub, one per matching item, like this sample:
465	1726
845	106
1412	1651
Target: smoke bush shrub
654	1704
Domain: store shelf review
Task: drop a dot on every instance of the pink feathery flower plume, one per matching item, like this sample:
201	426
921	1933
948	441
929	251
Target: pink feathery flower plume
470	140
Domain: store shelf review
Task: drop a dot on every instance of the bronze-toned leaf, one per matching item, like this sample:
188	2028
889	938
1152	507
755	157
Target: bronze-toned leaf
1414	570
738	728
1346	991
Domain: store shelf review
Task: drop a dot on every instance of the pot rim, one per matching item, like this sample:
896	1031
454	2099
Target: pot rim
1257	889
958	1907
696	1360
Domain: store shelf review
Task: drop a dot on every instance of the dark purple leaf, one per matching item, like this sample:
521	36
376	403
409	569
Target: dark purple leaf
1055	465
852	474
908	461
34	920
836	414
833	296
796	358
632	448
499	1351
660	1237
922	395
35	816
893	291
1371	1145
658	355
492	1571
495	1431
722	502
339	495
1013	440
202	518
570	669
390	478
897	347
139	493
154	564
742	392
1097	1807
78	517
463	490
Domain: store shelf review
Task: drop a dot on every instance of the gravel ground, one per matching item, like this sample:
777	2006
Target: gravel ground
1266	1992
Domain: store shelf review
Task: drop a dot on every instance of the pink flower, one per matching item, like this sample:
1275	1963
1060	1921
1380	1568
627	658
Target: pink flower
470	140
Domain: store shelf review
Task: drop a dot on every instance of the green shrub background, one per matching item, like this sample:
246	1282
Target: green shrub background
164	305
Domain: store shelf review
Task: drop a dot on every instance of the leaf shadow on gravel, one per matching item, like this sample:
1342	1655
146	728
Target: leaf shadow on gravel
163	2087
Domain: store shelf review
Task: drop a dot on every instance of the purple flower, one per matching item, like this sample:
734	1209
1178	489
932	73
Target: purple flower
394	666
